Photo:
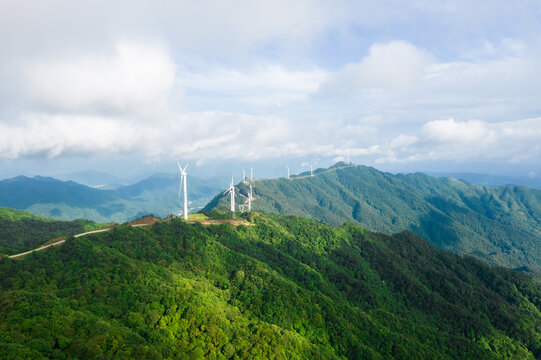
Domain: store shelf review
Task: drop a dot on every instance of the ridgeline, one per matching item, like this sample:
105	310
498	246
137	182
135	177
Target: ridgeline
500	224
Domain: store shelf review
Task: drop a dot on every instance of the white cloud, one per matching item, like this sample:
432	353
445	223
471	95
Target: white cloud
263	86
132	75
506	141
402	141
65	134
396	65
451	131
266	79
197	135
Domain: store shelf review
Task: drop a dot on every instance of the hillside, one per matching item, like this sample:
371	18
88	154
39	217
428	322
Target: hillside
499	224
280	288
67	200
21	230
495	180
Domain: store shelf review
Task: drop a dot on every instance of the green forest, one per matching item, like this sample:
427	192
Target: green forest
279	288
21	231
499	224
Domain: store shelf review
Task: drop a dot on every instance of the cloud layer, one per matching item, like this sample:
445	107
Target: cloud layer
263	80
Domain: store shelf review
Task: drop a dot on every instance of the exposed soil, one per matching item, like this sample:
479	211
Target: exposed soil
146	220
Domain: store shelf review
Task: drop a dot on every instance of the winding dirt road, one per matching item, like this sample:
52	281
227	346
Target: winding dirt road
57	243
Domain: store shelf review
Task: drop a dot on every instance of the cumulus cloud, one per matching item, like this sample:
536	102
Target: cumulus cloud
475	140
270	79
53	135
133	74
396	65
196	135
451	131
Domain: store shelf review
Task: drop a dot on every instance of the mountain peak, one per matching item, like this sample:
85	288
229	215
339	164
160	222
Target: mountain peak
341	164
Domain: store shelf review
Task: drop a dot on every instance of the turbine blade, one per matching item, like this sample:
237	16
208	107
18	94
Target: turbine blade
185	168
179	167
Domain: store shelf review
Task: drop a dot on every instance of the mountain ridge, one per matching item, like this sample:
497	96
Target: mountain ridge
499	224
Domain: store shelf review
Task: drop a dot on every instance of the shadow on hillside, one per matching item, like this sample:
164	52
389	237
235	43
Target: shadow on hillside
437	228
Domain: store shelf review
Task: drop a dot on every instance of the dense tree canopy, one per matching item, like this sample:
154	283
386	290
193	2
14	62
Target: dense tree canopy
282	287
21	231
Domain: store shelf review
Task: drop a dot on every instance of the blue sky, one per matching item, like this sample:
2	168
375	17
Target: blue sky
402	86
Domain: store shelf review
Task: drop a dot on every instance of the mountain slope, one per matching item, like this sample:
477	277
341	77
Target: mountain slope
67	200
92	178
23	231
22	192
495	180
280	288
499	224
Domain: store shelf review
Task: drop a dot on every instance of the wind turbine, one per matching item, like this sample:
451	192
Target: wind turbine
231	191
183	180
311	170
288	171
250	197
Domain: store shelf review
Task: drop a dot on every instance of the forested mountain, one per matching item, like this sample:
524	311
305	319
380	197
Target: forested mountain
500	224
21	230
67	200
284	288
93	178
487	179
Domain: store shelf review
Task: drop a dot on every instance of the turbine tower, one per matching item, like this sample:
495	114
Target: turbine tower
311	170
288	171
231	192
183	180
250	197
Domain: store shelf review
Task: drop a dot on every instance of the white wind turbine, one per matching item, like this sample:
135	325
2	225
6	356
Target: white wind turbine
231	191
183	180
311	170
250	198
288	171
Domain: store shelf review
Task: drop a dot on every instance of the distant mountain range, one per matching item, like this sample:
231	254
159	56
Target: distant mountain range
68	200
93	178
501	224
487	179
